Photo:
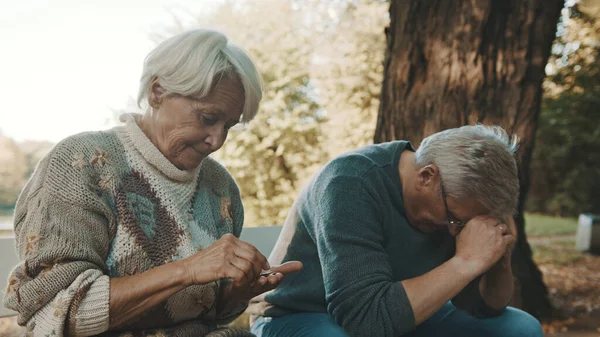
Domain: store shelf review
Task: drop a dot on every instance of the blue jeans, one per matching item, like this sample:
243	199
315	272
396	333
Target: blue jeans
448	321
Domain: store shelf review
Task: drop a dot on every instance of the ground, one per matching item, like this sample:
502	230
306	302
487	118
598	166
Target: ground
573	280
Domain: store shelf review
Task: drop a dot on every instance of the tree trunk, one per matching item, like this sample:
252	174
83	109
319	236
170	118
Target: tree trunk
456	62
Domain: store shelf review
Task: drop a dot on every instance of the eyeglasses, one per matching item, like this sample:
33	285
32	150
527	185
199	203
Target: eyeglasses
451	221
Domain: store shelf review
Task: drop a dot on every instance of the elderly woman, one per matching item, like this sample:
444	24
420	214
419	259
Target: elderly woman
134	230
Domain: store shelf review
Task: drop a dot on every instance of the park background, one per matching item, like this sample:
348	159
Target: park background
341	74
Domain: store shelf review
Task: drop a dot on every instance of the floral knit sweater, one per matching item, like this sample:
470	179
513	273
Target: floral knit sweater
109	204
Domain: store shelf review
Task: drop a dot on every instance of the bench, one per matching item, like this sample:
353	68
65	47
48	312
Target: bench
8	260
263	238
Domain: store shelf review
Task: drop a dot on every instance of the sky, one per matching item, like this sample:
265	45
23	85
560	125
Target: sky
66	65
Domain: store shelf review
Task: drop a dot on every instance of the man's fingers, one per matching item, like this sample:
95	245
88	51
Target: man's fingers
266	283
512	227
503	229
509	239
288	267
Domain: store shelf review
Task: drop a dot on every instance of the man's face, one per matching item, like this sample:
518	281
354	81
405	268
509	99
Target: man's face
459	213
440	211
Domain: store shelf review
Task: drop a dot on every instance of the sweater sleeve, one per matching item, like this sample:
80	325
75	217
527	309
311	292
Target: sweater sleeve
361	294
62	240
230	310
471	301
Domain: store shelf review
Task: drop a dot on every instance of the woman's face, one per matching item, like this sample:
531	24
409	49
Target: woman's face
186	129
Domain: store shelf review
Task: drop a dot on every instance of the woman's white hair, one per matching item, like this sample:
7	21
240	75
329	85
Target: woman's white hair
191	63
475	161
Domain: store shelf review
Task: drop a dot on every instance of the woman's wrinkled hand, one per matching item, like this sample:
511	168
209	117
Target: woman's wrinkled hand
227	258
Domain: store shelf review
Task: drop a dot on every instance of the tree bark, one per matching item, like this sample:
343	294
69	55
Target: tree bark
456	62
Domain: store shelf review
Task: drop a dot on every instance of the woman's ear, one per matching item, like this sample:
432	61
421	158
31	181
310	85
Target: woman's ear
156	93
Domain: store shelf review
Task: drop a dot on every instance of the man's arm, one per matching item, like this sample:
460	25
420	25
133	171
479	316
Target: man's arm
429	292
478	246
488	294
497	286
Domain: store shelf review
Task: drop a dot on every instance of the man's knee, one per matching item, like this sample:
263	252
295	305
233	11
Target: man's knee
521	324
303	324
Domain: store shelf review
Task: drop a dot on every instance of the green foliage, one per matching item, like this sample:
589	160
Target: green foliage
270	156
17	162
566	159
560	253
544	225
349	73
321	63
13	171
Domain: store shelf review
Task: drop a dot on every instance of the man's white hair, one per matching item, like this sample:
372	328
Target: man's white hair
475	161
191	63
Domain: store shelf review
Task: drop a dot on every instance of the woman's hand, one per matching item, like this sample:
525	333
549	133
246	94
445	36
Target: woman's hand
228	257
267	281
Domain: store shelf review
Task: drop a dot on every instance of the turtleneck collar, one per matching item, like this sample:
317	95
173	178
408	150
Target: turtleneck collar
151	153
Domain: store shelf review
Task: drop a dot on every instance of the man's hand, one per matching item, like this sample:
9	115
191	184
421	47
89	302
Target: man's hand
506	259
267	280
483	241
512	229
497	286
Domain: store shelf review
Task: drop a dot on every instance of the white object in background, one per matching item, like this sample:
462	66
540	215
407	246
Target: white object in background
588	233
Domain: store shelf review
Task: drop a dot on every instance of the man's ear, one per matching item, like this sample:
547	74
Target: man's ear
156	93
427	178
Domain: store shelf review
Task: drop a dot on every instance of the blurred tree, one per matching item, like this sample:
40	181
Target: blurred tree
451	63
34	151
272	154
349	70
321	62
17	162
566	160
13	171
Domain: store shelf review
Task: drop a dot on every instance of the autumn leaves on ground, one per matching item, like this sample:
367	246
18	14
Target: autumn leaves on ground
572	278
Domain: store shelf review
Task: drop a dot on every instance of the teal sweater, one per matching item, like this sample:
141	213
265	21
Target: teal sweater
350	230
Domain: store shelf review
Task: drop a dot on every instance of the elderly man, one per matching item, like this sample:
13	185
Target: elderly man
402	243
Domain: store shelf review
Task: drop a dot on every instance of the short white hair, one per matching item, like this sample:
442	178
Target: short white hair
475	161
191	63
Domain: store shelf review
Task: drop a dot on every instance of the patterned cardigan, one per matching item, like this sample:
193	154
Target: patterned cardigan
109	204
